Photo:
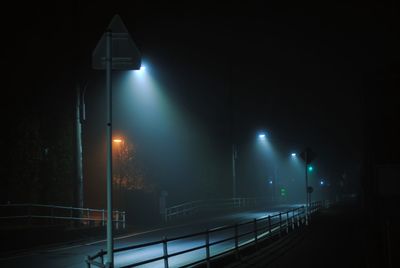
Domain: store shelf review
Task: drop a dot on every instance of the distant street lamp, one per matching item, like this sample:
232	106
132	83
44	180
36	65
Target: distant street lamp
115	51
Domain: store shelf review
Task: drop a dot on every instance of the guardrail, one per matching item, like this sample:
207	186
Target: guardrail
202	247
56	214
213	204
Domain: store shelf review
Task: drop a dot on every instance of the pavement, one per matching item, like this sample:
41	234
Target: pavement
336	237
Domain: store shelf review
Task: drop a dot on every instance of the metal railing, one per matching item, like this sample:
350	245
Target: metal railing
52	214
207	205
209	244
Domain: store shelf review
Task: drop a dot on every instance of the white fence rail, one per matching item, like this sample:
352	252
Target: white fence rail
213	204
39	213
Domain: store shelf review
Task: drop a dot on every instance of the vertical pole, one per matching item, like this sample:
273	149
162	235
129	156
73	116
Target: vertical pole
110	242
255	233
79	158
307	203
123	220
208	248
117	219
165	251
269	226
233	171
102	217
280	223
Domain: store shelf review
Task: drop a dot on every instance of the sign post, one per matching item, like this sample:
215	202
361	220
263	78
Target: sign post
308	156
115	51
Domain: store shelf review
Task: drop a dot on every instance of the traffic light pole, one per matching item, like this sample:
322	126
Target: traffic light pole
307	194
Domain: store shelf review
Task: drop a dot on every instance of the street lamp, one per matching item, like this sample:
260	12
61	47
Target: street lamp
115	51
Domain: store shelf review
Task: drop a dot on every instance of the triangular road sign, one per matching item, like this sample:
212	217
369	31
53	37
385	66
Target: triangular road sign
125	54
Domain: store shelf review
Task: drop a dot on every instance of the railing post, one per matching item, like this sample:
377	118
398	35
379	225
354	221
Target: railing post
165	251
71	215
293	219
123	220
52	215
87	260
88	216
236	238
255	233
117	219
287	221
269	226
208	248
102	256
102	217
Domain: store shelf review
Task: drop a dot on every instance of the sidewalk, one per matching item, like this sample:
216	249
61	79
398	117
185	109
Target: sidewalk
335	238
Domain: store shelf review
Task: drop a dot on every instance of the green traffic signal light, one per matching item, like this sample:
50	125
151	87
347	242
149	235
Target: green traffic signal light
283	191
310	168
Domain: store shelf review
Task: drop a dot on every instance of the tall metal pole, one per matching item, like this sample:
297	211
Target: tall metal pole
233	171
79	158
110	242
306	165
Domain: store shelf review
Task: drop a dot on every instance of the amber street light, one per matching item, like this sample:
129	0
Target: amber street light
117	140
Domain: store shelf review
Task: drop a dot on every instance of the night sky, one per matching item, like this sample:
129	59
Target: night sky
299	72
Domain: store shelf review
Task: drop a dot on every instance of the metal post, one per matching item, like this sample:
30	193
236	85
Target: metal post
287	221
79	158
233	171
293	219
269	226
110	242
117	219
208	248
123	220
236	237
102	217
165	250
255	233
306	165
280	223
87	260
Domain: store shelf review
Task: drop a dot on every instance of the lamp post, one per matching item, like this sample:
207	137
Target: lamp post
115	51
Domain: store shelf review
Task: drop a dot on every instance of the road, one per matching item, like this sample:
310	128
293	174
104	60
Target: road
73	256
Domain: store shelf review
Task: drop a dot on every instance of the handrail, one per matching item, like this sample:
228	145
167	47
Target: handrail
276	224
193	206
55	212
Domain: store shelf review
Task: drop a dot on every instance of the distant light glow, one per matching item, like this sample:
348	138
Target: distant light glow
270	181
293	154
310	168
142	68
117	140
321	182
261	136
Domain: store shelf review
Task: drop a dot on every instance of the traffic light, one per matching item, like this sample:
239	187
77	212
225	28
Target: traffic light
283	192
310	168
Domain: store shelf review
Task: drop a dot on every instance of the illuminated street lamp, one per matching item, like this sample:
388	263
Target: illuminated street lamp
115	51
